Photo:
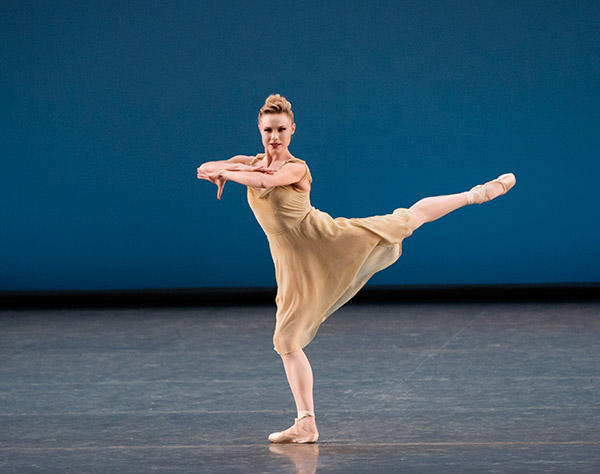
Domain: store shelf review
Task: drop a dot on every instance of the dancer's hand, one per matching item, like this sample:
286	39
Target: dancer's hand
217	178
202	174
220	181
209	175
220	185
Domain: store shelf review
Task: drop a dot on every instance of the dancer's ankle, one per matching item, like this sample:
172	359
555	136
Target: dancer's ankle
303	413
469	198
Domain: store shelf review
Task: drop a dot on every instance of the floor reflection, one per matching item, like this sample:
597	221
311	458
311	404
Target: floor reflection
304	456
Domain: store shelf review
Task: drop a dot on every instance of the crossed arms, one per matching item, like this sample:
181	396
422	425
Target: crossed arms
237	169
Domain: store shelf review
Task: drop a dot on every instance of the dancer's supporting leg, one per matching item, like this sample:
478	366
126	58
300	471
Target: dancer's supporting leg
300	377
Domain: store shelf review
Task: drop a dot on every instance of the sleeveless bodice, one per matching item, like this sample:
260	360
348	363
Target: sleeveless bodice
279	208
320	261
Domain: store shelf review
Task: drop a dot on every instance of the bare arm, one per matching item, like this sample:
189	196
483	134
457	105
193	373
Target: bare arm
230	164
288	174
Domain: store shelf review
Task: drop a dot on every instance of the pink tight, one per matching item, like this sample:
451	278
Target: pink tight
300	377
431	208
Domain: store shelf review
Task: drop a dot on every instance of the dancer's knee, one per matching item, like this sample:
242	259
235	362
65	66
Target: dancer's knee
290	353
418	218
281	346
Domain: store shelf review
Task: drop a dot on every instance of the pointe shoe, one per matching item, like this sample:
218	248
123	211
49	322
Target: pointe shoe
303	431
484	193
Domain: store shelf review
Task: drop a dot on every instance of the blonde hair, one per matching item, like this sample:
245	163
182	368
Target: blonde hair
276	104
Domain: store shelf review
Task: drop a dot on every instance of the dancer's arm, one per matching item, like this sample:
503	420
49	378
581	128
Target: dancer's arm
289	174
238	162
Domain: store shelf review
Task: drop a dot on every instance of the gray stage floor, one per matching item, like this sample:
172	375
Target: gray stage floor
398	388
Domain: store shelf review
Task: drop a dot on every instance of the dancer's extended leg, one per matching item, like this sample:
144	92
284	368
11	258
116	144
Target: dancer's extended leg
431	208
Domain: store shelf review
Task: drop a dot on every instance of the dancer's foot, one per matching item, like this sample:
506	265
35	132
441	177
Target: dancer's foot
304	430
491	190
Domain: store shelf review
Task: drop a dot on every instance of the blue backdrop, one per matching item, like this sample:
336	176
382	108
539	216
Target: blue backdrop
109	107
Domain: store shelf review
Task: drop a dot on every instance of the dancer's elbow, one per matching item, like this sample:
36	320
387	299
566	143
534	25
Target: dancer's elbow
217	165
212	166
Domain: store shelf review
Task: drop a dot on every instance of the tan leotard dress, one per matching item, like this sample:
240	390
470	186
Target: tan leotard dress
320	262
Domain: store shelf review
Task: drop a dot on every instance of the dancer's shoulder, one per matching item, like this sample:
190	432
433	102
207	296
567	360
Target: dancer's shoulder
306	168
297	160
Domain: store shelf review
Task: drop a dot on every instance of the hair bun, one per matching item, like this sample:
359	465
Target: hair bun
276	104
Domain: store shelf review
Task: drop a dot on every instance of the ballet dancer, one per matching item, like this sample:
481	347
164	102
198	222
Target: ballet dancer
320	262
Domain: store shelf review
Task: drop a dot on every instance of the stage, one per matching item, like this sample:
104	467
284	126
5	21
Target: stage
417	387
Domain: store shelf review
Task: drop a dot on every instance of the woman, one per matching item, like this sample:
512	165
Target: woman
320	262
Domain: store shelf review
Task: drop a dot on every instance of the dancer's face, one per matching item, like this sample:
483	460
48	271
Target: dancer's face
276	128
